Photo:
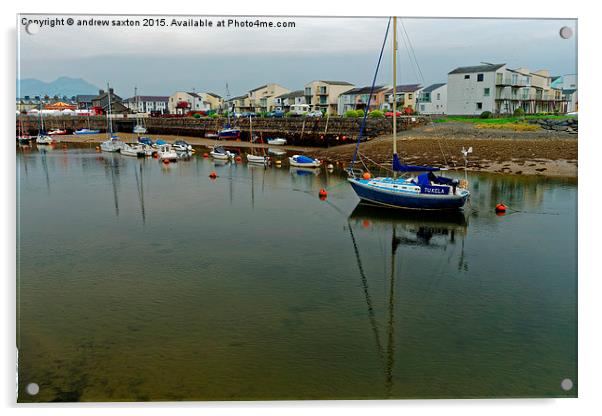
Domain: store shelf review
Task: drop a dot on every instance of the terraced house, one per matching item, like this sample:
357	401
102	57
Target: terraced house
283	102
263	98
406	96
432	99
500	90
324	95
357	99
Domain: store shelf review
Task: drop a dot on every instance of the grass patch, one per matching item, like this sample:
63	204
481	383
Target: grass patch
498	121
508	126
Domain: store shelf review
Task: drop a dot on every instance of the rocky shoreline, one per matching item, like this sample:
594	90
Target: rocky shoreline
544	152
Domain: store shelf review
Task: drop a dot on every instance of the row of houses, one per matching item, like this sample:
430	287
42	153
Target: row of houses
469	90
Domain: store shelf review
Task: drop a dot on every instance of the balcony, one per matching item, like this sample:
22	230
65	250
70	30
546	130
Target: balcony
512	81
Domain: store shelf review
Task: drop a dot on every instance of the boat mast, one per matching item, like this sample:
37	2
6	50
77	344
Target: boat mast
394	86
109	112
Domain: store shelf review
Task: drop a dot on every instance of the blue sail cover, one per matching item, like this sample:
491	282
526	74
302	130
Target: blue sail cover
304	159
398	167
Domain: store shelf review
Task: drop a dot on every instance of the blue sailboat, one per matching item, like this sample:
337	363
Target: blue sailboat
425	190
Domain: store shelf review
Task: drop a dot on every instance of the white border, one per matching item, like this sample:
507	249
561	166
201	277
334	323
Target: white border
589	223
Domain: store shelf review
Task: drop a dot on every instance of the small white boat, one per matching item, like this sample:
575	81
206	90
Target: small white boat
210	135
43	139
112	145
139	129
300	161
132	150
57	132
182	146
276	152
220	153
257	159
277	141
165	152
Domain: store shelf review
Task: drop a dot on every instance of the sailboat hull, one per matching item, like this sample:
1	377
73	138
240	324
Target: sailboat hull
397	199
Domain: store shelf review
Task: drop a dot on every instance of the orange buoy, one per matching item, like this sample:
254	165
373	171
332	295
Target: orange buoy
98	148
366	175
165	161
366	223
213	175
323	193
500	208
238	159
205	155
155	155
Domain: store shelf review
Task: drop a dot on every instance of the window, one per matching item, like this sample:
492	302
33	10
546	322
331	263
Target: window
421	107
467	76
409	96
438	96
479	106
479	77
486	92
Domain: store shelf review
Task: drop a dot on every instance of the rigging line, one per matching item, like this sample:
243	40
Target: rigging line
363	125
412	49
407	49
375	163
365	288
442	152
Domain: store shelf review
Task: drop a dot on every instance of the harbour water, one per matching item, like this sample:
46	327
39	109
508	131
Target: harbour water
139	281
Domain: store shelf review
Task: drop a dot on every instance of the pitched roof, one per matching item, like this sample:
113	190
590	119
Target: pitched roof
364	90
477	68
194	94
154	98
240	97
433	87
292	94
405	88
258	88
213	95
81	98
336	82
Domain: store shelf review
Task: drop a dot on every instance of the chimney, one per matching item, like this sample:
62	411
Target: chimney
110	90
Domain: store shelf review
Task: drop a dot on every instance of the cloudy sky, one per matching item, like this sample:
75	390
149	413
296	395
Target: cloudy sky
160	60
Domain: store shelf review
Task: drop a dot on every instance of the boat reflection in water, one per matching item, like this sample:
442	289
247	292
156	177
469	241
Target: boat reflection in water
430	229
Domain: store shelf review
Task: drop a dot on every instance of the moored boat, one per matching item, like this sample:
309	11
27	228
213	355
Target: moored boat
133	150
278	141
426	191
166	152
181	145
228	133
85	131
220	153
57	132
301	161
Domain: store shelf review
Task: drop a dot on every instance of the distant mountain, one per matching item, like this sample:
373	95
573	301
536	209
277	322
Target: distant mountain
60	86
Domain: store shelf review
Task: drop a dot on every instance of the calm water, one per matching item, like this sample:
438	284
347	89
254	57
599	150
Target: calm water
144	282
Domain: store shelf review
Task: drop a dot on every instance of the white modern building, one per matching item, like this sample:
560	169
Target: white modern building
472	90
432	99
181	102
147	103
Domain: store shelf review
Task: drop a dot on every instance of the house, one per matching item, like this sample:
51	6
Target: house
215	101
147	103
283	102
500	90
104	98
432	99
568	85
323	95
357	99
262	99
84	102
238	104
406	96
181	102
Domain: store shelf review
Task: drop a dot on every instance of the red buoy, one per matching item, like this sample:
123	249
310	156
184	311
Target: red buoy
238	158
165	161
500	208
322	194
366	175
213	175
155	155
205	155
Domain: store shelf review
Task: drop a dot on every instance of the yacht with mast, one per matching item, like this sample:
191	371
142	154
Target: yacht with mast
43	137
424	191
113	144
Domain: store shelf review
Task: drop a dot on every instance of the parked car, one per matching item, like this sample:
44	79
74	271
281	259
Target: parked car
277	114
390	114
248	114
314	114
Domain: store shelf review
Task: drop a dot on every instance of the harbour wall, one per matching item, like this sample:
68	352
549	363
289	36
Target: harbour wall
327	131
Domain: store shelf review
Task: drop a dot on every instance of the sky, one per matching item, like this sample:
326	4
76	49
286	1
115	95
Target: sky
161	60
